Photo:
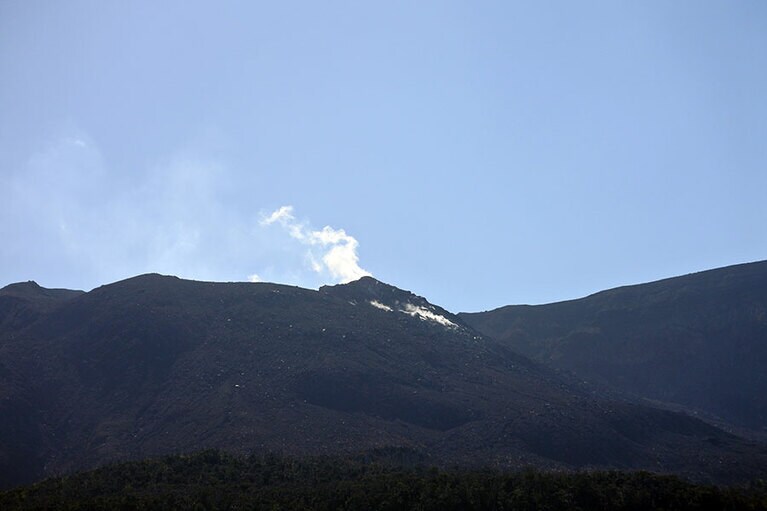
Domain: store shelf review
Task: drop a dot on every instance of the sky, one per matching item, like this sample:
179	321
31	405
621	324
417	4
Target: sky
476	153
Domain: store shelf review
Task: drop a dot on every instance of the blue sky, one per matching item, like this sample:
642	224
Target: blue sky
476	153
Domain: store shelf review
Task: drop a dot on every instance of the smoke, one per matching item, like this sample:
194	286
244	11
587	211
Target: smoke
330	251
70	218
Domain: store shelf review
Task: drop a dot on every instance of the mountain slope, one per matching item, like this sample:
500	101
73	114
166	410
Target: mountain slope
699	340
23	302
155	365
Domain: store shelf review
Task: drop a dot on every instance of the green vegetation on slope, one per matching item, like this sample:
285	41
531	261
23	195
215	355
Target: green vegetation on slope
213	480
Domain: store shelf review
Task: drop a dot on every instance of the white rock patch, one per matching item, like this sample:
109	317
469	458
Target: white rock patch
427	315
380	305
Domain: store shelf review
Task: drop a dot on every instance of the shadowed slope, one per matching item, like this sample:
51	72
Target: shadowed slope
699	340
155	365
23	302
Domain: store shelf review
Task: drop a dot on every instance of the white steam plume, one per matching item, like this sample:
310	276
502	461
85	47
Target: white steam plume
338	249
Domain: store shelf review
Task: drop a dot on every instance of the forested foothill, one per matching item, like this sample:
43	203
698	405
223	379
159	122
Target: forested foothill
213	480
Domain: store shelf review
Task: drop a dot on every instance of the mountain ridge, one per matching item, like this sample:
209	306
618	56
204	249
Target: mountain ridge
746	267
155	365
696	340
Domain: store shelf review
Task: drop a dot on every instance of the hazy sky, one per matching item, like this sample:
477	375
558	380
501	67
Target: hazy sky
476	153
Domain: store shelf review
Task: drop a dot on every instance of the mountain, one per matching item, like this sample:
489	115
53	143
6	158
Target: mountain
23	302
158	365
698	341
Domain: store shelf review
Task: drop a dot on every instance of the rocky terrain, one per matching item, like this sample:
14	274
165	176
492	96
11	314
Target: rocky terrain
696	342
157	365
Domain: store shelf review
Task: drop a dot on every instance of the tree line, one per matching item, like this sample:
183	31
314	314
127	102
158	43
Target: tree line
213	480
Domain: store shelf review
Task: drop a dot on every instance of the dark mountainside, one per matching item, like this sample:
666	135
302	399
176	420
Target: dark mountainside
699	340
24	302
157	365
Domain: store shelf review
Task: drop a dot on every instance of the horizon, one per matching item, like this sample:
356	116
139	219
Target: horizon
482	155
404	288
